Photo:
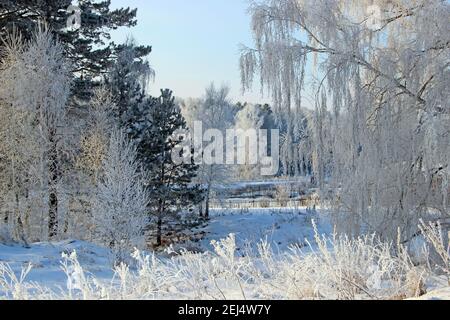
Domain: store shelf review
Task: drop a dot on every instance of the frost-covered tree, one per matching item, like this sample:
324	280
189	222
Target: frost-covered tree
88	147
120	200
380	74
156	131
35	87
219	109
13	137
214	111
94	141
251	116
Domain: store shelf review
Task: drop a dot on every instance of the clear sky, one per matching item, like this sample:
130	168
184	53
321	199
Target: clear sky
194	43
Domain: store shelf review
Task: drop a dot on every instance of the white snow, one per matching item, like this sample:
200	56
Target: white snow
46	257
281	228
439	294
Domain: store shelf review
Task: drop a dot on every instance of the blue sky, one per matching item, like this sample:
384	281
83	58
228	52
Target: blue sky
194	43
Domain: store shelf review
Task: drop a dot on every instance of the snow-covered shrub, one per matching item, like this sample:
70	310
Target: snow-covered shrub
13	286
336	267
78	284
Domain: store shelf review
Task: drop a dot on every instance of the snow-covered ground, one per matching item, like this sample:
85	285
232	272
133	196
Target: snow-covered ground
46	258
281	228
438	294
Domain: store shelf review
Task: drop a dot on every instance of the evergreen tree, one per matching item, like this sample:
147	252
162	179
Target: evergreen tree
128	79
154	128
88	46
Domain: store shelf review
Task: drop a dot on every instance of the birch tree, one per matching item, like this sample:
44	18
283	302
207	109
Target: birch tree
36	86
380	75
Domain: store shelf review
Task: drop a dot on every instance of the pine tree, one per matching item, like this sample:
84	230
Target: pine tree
88	46
128	79
154	128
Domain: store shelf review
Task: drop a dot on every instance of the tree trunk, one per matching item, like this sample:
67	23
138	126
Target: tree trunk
19	219
159	232
201	210
52	213
53	196
208	191
207	208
